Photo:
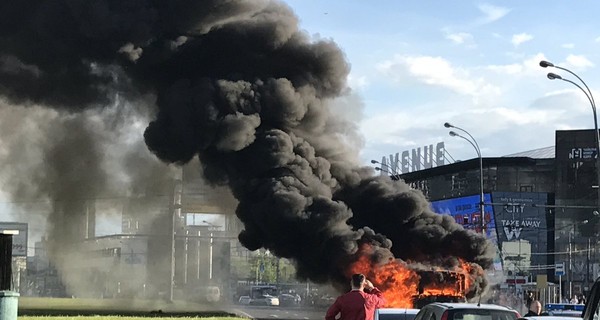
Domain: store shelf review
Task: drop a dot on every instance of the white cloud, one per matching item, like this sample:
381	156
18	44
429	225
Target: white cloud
532	65
492	13
512	116
357	82
568	94
579	61
436	71
568	45
514	68
528	67
520	38
597	39
460	37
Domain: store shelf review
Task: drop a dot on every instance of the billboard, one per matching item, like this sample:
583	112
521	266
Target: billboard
466	212
522	229
19	241
411	161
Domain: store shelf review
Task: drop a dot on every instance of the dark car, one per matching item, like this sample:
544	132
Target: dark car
288	299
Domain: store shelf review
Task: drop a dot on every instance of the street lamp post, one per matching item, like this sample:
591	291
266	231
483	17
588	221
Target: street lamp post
174	213
473	142
210	250
382	169
570	274
588	94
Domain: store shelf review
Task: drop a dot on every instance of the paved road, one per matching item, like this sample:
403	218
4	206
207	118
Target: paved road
279	313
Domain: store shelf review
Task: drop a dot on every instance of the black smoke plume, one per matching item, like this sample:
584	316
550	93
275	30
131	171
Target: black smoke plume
238	85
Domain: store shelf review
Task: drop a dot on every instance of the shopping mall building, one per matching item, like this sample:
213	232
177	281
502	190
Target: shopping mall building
540	205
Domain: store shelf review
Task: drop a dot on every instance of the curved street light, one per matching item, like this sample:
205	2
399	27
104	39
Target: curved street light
473	142
588	94
382	169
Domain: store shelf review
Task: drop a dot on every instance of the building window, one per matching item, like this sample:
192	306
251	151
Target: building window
126	225
526	188
458	183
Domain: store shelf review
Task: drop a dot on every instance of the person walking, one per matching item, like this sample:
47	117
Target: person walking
535	309
358	304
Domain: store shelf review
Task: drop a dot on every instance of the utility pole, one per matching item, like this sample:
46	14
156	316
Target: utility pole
174	213
570	274
475	145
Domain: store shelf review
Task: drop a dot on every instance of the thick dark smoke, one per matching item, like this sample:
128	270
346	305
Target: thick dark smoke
239	86
60	167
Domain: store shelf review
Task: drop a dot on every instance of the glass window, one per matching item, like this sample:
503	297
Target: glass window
483	315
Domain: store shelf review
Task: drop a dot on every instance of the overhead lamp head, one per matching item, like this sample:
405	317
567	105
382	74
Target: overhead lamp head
374	161
448	125
553	76
453	134
545	64
377	168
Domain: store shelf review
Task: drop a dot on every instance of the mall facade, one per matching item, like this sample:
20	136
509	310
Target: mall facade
541	208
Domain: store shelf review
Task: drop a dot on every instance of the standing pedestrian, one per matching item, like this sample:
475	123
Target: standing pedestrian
529	299
358	304
535	309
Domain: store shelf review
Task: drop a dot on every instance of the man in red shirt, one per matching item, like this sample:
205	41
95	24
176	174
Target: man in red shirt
358	304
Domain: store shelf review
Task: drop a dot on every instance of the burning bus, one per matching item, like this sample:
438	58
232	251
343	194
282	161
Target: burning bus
439	286
414	285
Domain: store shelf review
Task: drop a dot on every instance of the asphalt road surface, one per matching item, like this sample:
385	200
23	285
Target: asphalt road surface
279	313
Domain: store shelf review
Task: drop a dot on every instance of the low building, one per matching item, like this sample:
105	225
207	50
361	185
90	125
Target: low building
541	206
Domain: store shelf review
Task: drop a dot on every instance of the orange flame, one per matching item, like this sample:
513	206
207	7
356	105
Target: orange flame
401	285
395	280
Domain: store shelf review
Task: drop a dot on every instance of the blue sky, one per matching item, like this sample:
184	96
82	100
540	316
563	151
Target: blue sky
418	64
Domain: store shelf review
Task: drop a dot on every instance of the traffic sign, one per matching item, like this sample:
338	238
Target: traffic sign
559	269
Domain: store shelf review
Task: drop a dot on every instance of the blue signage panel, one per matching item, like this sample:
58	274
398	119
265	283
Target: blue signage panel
466	212
559	269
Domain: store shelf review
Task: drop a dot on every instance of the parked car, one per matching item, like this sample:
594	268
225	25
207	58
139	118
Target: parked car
265	300
466	311
244	300
592	307
395	314
288	299
540	317
564	309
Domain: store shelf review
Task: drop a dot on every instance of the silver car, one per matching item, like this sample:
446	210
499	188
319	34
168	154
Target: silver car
395	314
466	311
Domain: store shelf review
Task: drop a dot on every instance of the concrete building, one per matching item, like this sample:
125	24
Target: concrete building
540	206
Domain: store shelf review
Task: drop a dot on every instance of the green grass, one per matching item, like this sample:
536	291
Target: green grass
105	309
30	303
119	318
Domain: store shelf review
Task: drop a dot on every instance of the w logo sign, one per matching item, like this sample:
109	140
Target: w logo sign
512	232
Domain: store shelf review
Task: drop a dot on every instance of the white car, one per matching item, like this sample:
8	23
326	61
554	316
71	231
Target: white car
395	314
270	300
244	300
264	300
